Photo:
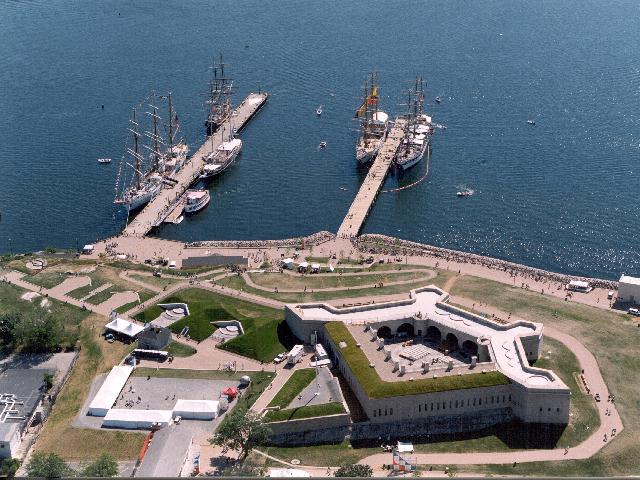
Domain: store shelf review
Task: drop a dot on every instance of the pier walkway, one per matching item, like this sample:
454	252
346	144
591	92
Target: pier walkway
372	183
155	212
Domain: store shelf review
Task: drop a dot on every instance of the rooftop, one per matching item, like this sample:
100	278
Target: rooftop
630	280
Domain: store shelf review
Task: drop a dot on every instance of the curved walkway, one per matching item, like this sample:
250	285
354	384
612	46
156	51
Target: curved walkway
586	449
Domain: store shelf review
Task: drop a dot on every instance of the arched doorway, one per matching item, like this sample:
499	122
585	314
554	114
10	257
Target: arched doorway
384	332
470	348
433	335
451	342
407	329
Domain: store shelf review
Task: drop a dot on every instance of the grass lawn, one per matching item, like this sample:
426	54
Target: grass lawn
70	315
318	281
308	411
161	282
178	349
375	387
46	278
144	296
611	337
101	275
265	332
58	436
321	455
290	390
237	283
193	374
104	295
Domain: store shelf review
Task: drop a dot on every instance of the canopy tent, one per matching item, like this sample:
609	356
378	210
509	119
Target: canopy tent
231	392
124	327
88	249
109	391
196	409
405	447
136	419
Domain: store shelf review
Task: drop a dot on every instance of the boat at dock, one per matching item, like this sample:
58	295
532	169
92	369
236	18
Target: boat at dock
374	123
219	100
221	158
145	183
196	200
418	129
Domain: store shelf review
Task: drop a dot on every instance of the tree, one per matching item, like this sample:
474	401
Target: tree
39	331
48	465
241	432
354	470
103	466
8	467
8	322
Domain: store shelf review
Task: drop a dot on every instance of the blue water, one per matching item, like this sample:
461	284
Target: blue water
560	195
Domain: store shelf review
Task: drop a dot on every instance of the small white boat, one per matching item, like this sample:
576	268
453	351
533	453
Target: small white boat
438	99
104	160
319	110
465	193
196	200
531	122
323	145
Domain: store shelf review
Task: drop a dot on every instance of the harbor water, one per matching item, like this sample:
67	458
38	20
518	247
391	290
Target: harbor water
560	194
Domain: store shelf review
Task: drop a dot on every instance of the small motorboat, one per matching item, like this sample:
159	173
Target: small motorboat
322	145
465	193
344	189
319	110
104	160
196	200
531	122
438	99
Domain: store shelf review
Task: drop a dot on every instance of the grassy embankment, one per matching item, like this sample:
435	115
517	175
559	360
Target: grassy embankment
266	333
611	337
237	283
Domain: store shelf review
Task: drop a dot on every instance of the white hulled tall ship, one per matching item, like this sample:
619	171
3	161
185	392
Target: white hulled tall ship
145	182
219	101
417	132
222	157
164	158
374	124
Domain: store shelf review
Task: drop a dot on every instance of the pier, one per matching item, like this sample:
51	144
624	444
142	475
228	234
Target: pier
372	183
168	201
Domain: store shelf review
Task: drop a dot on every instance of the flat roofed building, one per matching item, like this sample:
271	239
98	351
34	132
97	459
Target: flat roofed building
629	289
478	368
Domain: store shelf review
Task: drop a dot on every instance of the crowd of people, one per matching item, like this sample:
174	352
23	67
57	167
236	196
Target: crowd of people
314	239
377	244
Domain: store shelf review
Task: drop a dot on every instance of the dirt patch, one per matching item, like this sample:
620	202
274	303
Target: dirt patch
29	296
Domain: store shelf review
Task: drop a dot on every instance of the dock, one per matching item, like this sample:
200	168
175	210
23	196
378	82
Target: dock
170	198
371	185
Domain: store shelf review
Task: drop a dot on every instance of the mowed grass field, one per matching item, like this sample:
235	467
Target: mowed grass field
614	339
265	332
318	281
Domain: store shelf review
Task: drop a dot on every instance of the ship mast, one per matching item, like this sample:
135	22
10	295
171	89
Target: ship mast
135	152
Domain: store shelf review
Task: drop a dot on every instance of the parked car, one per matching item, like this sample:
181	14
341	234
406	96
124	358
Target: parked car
109	337
279	358
610	294
157	273
634	311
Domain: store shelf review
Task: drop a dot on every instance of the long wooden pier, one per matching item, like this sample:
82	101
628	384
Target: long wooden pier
372	183
169	198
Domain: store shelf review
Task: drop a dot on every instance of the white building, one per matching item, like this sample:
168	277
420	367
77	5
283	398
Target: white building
629	289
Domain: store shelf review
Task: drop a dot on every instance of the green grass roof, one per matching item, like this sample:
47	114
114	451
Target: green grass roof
375	387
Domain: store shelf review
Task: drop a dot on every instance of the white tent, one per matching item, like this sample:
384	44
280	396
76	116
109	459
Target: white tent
287	262
196	409
109	391
124	327
134	419
288	472
405	447
88	249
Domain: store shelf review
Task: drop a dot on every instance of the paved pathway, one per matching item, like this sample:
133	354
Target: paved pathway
97	290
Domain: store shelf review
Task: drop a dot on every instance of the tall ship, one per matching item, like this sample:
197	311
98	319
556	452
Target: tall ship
154	156
219	98
374	123
146	183
417	131
221	158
